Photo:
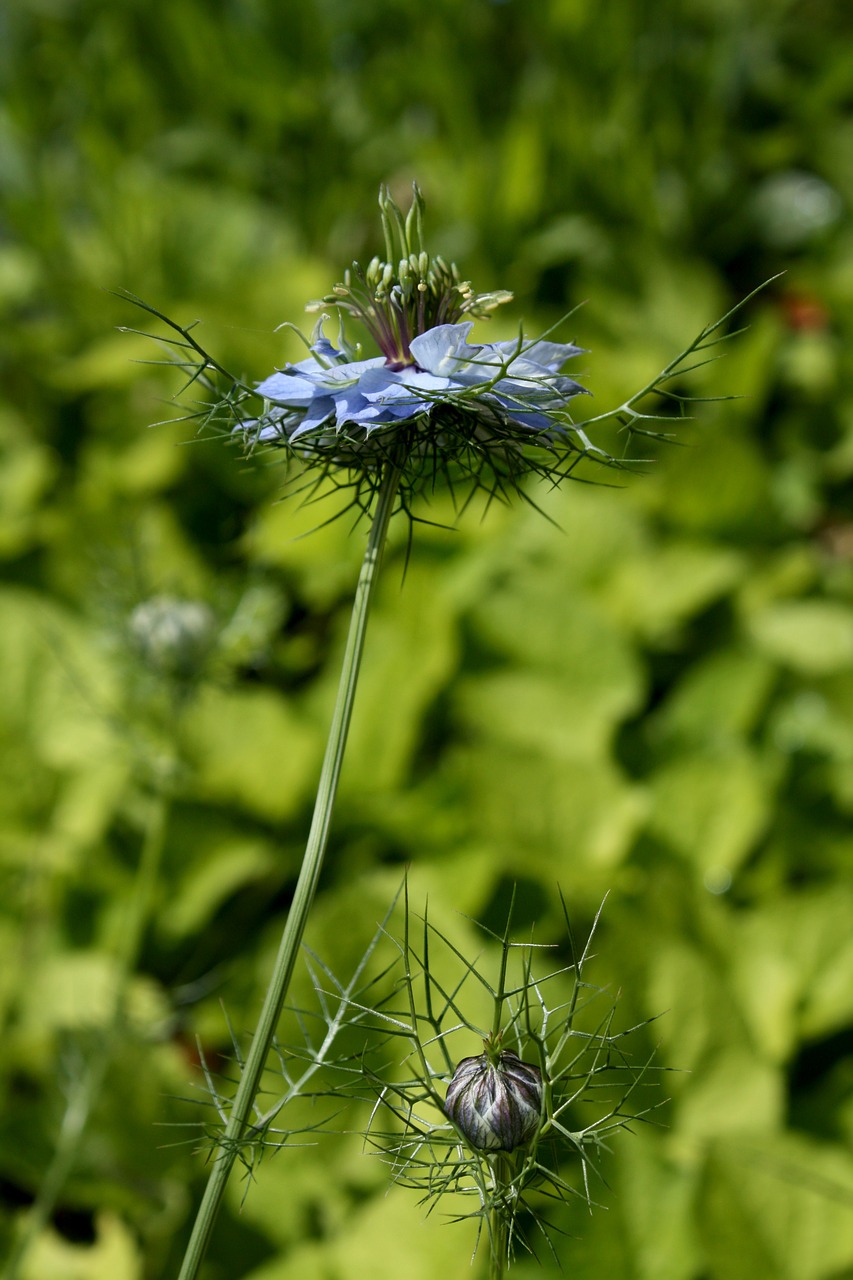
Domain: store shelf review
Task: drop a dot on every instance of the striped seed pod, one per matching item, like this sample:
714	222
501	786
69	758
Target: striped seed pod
496	1100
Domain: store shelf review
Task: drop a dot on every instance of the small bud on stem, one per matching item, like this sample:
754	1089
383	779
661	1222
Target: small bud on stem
495	1100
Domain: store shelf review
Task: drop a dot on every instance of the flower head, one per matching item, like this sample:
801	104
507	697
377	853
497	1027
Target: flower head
432	397
432	405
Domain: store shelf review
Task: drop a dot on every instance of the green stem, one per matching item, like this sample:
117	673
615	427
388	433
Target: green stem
85	1089
497	1244
502	1170
306	885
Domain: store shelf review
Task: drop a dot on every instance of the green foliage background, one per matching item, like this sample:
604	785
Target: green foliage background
653	700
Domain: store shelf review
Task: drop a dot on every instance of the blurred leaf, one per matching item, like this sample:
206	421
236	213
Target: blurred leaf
410	655
559	819
115	1255
654	1197
719	698
809	722
654	593
737	1092
793	968
777	1209
250	747
718	484
814	637
562	719
27	472
411	1245
323	558
641	1227
53	680
77	989
712	806
299	1175
689	987
554	627
229	864
137	465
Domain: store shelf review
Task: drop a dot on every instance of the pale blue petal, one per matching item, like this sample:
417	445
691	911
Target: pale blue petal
528	417
386	387
286	388
546	355
345	374
550	391
380	382
442	349
332	375
417	380
351	406
324	350
309	367
321	409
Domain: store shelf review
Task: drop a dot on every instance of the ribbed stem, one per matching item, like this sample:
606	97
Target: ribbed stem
502	1170
497	1245
306	886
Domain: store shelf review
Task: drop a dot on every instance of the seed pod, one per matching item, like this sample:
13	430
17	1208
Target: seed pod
495	1100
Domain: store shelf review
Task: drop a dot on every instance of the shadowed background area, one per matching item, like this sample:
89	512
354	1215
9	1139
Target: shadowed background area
649	695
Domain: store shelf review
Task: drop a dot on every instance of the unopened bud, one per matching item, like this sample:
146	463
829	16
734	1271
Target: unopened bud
496	1100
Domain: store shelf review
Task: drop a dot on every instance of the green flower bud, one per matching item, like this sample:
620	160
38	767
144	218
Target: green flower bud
496	1100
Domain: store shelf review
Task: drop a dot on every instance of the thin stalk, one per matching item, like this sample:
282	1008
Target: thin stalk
84	1091
306	886
497	1257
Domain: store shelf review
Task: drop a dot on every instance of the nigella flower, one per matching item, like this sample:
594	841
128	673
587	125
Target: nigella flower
433	400
328	398
495	1100
431	405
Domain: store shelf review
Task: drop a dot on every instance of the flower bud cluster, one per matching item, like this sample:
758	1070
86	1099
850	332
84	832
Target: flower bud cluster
172	636
411	292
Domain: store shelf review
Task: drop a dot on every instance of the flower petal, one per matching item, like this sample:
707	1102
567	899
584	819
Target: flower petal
545	355
287	388
321	409
441	350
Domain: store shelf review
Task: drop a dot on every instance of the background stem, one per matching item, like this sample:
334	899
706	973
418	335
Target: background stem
306	885
84	1090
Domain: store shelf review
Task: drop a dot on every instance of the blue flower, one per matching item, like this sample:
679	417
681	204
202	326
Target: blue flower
328	400
432	403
